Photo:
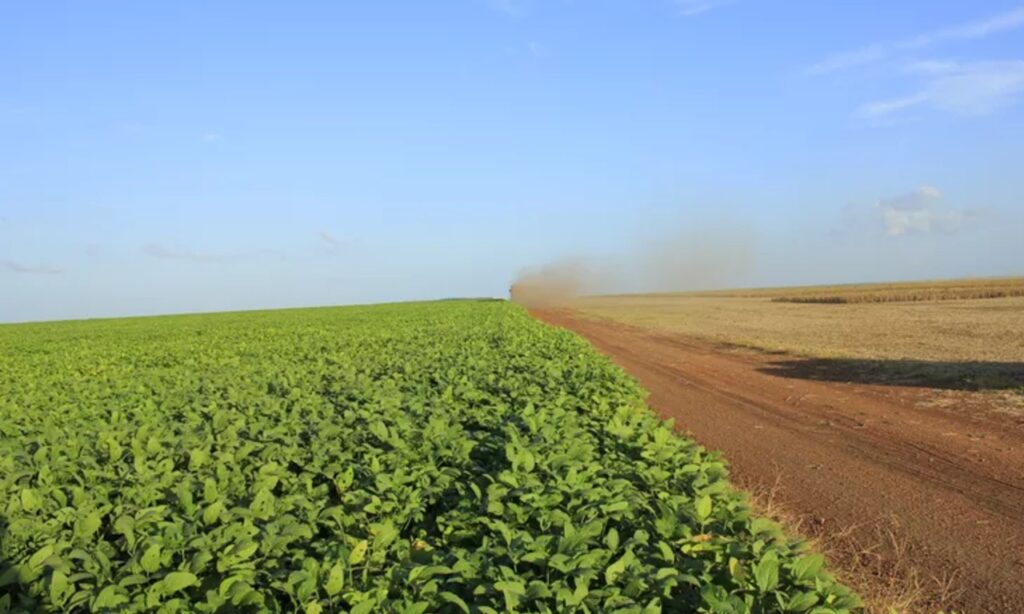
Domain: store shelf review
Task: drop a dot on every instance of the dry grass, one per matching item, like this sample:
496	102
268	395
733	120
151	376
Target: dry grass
868	557
947	331
968	289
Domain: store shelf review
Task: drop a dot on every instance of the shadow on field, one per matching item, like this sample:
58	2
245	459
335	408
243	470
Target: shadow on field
926	374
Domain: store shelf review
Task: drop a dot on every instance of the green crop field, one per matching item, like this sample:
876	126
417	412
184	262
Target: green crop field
455	456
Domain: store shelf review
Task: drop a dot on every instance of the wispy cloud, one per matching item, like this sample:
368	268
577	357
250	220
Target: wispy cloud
880	108
971	88
328	238
18	267
976	29
533	49
921	212
157	250
850	59
684	8
512	8
691	8
211	137
167	252
133	129
879	51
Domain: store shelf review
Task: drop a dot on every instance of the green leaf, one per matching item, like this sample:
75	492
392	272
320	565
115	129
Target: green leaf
358	553
379	430
766	573
615	570
364	607
737	570
618	506
667	554
526	461
455	600
612	539
151	559
581	592
59	586
197	458
110	597
262	505
335	580
343	480
801	602
314	607
124	525
36	560
513	592
213	512
384	534
179	580
87	525
243	551
30	500
807	567
703	508
763	525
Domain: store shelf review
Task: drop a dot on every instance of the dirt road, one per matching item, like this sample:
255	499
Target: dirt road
903	492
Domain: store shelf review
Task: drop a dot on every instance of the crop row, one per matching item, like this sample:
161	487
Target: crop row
454	456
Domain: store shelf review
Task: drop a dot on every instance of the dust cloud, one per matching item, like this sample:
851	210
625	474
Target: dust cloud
694	259
552	284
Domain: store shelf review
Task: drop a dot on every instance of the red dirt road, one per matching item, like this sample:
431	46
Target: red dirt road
900	492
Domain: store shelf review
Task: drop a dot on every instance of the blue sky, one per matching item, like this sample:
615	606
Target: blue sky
200	156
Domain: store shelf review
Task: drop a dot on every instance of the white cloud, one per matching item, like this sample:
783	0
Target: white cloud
972	88
690	8
212	137
875	52
920	212
18	267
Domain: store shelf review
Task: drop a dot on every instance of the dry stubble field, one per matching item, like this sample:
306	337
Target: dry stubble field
964	344
933	330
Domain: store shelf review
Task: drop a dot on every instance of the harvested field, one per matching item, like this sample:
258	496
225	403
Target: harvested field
952	331
892	292
967	289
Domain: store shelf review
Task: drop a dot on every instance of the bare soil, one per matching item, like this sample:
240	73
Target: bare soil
918	498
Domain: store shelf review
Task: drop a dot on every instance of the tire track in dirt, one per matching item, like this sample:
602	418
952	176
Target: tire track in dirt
914	493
